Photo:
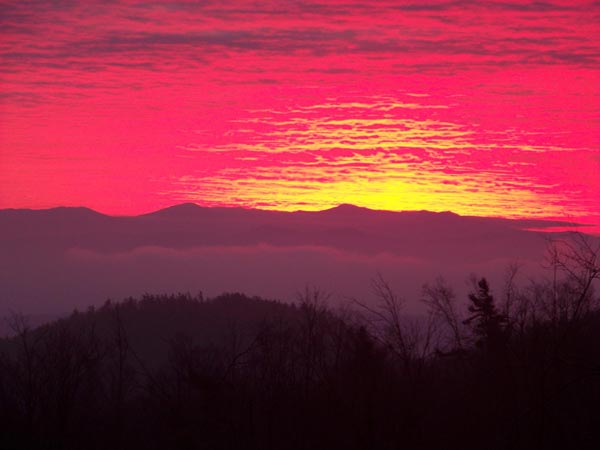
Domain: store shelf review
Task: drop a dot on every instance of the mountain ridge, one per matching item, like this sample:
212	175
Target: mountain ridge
54	258
191	210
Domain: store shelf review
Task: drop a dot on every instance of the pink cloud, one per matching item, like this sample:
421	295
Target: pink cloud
483	108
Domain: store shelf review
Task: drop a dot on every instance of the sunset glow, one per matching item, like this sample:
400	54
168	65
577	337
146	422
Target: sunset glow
481	108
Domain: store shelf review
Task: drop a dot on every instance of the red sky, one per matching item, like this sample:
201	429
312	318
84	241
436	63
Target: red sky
482	108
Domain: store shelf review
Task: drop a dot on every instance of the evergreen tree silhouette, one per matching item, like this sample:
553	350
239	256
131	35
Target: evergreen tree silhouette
489	326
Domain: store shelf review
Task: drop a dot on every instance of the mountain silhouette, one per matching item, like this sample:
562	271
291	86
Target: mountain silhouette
55	259
346	227
181	210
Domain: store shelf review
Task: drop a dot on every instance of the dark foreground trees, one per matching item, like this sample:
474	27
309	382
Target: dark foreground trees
511	369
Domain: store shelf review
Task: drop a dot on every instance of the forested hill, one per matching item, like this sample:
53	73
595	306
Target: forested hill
183	372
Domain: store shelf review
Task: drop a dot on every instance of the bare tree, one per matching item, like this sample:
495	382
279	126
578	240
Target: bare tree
27	372
411	340
575	264
120	372
441	302
314	309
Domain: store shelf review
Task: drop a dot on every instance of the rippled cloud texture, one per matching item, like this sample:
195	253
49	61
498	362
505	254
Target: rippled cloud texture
483	108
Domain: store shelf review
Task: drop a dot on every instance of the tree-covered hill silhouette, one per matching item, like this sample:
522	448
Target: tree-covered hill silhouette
510	367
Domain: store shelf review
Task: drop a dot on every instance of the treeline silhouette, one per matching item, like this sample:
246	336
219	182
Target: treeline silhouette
517	370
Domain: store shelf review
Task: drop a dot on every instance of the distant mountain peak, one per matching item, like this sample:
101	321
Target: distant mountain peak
188	206
182	209
59	211
347	208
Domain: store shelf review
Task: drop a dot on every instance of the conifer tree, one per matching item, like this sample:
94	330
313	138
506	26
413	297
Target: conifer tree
489	326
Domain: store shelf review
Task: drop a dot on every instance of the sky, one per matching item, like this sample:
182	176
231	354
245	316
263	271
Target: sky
487	108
